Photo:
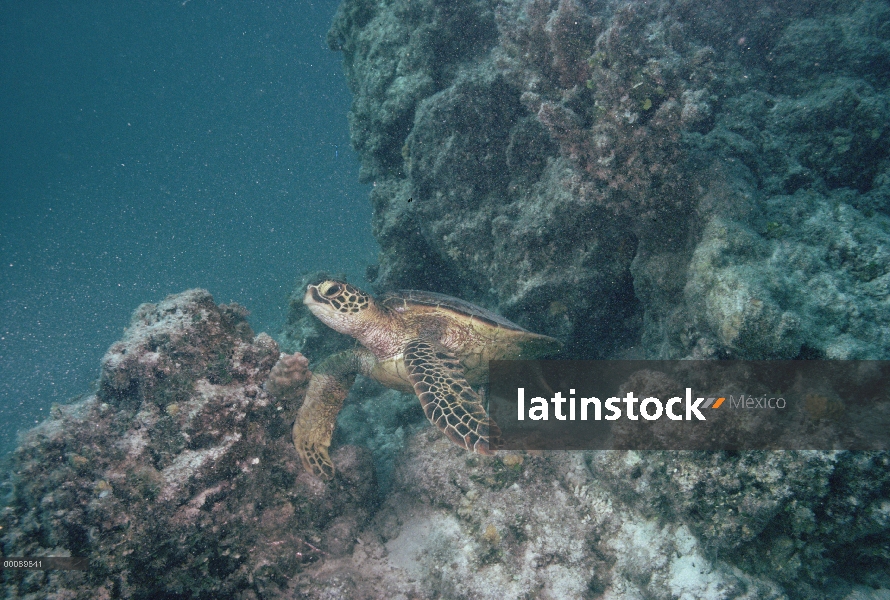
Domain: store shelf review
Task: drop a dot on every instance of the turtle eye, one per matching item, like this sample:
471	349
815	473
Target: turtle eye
332	290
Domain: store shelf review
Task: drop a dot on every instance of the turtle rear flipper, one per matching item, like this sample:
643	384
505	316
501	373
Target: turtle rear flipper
447	399
328	388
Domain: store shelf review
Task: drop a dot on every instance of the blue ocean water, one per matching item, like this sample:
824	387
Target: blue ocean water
153	147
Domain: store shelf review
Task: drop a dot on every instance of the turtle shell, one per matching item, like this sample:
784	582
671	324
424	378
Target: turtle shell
403	300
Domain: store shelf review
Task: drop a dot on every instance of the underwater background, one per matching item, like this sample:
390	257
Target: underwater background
670	179
156	147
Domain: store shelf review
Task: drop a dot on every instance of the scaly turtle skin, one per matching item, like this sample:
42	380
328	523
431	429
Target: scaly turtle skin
435	346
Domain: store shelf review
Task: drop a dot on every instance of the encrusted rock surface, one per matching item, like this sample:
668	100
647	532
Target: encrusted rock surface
616	525
178	479
666	178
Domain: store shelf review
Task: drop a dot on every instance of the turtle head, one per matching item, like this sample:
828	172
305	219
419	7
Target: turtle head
340	306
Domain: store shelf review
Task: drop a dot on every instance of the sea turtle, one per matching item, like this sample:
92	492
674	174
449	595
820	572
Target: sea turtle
430	344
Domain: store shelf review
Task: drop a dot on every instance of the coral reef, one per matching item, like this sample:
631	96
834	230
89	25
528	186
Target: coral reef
666	178
178	477
621	525
288	378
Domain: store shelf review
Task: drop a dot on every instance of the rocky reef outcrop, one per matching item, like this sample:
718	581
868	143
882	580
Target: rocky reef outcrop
177	478
668	178
616	525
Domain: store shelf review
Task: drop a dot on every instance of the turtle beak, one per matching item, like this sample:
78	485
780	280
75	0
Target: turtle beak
314	302
312	296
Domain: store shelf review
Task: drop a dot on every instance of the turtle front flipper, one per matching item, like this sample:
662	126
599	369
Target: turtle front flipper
328	388
447	399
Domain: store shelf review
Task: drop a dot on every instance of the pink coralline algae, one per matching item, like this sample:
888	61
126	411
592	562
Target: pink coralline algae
289	377
556	38
178	477
617	104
